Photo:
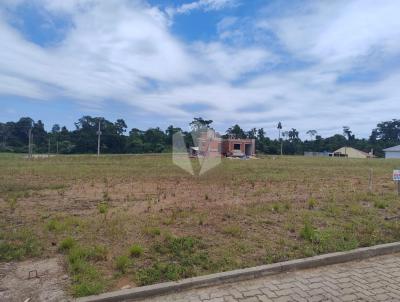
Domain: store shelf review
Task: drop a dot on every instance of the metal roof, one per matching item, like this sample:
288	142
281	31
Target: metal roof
393	149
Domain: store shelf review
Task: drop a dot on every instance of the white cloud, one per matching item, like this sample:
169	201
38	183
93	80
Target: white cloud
339	31
205	5
125	51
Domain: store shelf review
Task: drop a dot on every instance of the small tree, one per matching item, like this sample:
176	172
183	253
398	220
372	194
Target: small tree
312	133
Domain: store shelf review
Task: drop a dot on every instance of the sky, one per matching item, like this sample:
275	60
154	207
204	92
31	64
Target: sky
311	64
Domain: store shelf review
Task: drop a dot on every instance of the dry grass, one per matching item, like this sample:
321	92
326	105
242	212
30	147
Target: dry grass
242	213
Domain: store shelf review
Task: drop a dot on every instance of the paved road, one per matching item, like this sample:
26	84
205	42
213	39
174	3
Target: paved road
374	279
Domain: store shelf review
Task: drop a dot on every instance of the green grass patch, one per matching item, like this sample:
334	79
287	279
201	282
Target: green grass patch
86	279
232	230
122	263
18	244
175	258
67	244
381	204
135	250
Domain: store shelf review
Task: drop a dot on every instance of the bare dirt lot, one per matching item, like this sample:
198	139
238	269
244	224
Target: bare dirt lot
125	221
40	280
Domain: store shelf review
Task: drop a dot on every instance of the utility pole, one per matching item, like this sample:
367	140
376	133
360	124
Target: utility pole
280	128
48	150
57	147
30	138
98	139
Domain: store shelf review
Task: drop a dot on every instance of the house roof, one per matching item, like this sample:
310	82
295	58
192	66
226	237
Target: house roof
393	149
362	152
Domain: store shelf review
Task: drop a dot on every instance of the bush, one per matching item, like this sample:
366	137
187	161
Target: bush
232	230
311	203
99	253
152	231
122	263
135	250
309	233
67	244
102	207
381	204
53	225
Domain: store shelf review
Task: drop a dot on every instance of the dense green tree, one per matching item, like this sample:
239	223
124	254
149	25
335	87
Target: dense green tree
199	122
236	132
83	139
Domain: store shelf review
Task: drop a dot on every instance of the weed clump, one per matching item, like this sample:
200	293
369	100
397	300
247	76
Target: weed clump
12	202
19	244
232	230
103	208
67	244
311	203
381	204
177	258
122	263
309	233
86	278
152	231
135	250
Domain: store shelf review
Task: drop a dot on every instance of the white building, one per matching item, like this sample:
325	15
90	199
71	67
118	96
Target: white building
351	153
393	152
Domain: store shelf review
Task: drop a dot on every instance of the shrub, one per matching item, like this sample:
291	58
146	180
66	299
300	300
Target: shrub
102	207
232	230
99	253
12	202
135	250
381	204
152	231
311	203
122	263
309	233
53	225
67	244
149	275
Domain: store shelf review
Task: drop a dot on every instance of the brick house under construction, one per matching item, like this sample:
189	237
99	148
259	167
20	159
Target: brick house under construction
211	144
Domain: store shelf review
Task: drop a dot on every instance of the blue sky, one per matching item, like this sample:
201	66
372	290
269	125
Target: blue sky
310	64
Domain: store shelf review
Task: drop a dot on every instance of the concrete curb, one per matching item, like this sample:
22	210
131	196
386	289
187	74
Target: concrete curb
244	274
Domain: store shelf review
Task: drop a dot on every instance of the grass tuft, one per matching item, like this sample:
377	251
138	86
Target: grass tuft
67	244
122	263
135	250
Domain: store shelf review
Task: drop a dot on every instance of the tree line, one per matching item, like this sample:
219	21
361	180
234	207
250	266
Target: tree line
115	138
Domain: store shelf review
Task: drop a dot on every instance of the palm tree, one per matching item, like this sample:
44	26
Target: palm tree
312	133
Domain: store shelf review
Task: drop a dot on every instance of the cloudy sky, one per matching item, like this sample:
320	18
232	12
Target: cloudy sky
310	64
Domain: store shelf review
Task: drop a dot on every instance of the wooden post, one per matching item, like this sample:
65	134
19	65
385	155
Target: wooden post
371	180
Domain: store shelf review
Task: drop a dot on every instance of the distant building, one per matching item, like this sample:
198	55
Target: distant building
316	154
239	147
211	144
393	152
350	152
